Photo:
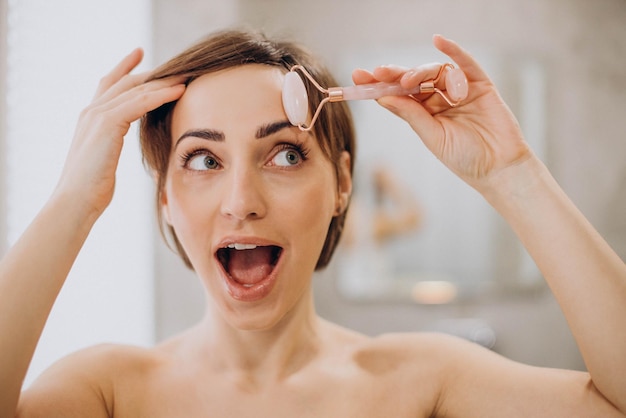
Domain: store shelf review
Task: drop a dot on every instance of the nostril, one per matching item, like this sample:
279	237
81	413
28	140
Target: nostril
244	201
239	215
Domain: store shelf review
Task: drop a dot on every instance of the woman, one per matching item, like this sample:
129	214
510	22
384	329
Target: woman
254	206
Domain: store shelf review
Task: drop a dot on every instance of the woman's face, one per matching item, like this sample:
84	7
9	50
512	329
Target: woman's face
249	196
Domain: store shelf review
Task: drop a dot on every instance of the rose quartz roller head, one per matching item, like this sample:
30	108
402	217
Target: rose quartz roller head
296	103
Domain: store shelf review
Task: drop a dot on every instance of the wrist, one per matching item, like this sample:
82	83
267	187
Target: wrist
73	209
517	184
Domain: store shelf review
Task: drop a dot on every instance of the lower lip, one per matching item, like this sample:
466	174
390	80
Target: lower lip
252	293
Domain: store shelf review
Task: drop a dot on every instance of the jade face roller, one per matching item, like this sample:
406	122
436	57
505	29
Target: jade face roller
296	102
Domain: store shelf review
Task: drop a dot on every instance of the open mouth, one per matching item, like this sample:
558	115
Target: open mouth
249	264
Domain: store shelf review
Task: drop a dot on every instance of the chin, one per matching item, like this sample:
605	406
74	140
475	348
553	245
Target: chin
272	312
264	318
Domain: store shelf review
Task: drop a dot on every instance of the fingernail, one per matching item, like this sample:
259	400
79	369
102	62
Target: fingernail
409	74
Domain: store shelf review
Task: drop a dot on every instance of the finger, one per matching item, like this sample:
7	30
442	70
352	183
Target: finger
381	73
361	76
125	93
394	73
415	76
414	79
389	73
461	57
124	67
133	104
409	78
131	81
125	83
419	118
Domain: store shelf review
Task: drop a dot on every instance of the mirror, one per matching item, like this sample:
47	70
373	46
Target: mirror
411	219
572	56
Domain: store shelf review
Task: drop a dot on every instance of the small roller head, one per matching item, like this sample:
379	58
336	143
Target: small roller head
456	85
295	99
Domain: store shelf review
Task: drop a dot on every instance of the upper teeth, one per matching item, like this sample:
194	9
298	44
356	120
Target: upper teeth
238	246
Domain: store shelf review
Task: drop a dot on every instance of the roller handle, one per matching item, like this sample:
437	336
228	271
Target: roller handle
455	81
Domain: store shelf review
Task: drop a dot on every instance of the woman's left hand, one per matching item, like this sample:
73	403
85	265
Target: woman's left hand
475	139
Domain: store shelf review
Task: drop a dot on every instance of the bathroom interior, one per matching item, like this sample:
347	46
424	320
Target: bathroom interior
451	266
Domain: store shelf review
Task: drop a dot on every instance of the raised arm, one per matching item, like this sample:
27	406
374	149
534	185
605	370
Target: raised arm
35	268
481	142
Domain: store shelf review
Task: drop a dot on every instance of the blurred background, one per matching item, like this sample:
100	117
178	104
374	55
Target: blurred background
422	251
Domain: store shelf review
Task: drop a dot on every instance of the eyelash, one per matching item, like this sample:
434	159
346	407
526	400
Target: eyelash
296	146
187	156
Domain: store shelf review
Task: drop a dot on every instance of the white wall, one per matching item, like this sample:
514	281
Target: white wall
3	110
58	50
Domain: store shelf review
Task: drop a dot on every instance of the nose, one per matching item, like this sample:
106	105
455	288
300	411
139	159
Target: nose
243	196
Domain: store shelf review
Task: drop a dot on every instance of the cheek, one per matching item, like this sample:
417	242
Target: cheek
189	215
309	212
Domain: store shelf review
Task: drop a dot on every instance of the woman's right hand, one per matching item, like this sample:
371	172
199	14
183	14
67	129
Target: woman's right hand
88	176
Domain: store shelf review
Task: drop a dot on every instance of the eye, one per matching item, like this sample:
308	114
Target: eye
289	156
201	162
286	158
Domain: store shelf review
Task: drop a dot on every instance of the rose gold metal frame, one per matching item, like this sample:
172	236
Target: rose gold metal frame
335	94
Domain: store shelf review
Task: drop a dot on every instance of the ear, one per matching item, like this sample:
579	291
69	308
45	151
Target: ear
344	183
165	209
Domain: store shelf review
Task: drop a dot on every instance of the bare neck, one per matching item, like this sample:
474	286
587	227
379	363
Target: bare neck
273	353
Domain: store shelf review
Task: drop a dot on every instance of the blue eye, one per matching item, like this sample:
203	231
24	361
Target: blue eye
201	162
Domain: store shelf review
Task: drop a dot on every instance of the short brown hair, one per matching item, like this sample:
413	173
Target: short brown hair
232	48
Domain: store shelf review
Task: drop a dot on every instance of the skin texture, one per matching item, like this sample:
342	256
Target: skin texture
254	196
273	356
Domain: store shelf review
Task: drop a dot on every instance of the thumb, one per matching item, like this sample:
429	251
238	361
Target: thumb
422	122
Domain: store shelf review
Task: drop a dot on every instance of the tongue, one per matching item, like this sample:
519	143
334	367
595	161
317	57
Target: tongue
250	266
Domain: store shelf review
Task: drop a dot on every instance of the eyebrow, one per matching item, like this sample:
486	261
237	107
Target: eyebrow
218	136
272	128
208	134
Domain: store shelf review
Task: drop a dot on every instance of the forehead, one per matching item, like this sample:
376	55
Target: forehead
249	93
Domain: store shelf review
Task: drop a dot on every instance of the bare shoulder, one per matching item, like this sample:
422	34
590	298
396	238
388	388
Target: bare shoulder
408	350
455	377
408	368
470	380
85	383
412	357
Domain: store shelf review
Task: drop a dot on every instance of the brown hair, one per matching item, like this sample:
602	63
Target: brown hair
227	49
